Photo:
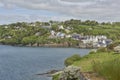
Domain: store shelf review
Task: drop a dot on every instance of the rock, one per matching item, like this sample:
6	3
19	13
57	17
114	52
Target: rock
117	49
70	73
49	73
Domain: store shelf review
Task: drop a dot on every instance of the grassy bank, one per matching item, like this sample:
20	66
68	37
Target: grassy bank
110	70
106	64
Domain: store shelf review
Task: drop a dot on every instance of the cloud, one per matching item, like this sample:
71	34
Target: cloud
81	9
1	4
6	19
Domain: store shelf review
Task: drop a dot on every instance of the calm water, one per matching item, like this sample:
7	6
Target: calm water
22	63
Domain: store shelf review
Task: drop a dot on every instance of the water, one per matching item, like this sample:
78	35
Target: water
22	63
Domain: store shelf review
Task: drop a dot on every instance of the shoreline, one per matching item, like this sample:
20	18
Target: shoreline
51	46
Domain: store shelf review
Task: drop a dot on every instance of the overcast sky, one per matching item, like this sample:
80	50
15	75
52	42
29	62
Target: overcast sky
45	10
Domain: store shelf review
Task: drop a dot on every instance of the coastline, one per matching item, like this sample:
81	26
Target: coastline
53	45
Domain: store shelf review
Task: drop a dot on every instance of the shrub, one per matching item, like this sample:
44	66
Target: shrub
111	46
72	59
55	77
102	49
92	52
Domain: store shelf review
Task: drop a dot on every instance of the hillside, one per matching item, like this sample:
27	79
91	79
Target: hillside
68	32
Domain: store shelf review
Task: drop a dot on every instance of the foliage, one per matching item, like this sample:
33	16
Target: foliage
86	62
30	39
55	77
102	49
22	31
72	59
109	69
104	63
111	46
92	52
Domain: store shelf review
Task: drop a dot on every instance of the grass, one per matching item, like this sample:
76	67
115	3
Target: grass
109	69
72	59
55	77
105	64
86	62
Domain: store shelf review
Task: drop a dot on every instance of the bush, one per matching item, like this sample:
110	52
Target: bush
92	52
72	59
55	77
103	49
111	46
110	69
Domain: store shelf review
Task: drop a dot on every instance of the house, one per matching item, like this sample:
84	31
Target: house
61	27
67	30
60	35
46	27
32	24
100	44
38	34
6	27
68	36
7	37
101	37
76	36
17	27
108	41
89	39
104	42
96	41
52	32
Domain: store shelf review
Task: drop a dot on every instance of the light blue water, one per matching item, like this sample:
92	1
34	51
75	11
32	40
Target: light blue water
22	63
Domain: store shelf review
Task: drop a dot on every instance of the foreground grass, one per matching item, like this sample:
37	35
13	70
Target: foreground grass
104	63
110	70
86	63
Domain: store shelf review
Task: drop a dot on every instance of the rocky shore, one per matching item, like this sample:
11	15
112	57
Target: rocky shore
49	73
68	73
71	73
54	45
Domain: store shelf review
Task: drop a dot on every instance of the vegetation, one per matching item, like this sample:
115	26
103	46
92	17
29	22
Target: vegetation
24	33
55	77
72	59
114	44
103	62
108	69
102	49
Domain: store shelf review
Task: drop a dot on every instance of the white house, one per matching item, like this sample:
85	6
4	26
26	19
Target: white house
53	33
90	39
60	35
61	27
38	34
7	37
6	27
68	36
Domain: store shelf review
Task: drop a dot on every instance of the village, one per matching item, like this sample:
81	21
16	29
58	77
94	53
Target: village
85	41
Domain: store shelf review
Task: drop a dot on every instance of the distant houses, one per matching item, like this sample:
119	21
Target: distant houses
8	37
66	32
95	41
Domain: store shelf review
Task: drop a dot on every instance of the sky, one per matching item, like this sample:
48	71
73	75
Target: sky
59	10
